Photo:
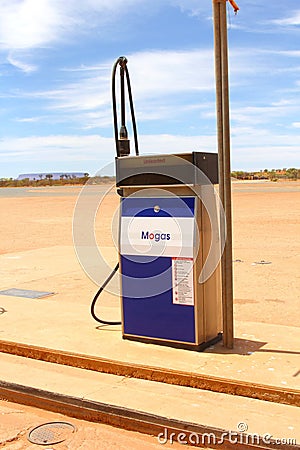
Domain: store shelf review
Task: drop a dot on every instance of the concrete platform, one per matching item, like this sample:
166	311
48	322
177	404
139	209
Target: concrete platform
264	363
263	353
147	406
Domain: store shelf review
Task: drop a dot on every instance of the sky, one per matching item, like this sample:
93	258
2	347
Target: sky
56	58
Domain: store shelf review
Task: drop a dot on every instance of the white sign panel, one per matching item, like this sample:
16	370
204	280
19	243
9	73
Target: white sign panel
182	281
163	236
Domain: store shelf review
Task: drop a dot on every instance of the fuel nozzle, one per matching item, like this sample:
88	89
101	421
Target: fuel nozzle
124	142
121	135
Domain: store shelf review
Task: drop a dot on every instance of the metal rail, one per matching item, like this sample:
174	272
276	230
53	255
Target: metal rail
258	391
194	434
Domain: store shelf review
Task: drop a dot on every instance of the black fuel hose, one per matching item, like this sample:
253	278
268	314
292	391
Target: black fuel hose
105	322
122	61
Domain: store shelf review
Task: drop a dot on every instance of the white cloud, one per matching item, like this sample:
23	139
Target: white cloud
168	143
26	24
160	80
166	85
152	74
194	7
23	66
293	20
166	72
263	114
292	53
30	24
251	149
54	148
28	119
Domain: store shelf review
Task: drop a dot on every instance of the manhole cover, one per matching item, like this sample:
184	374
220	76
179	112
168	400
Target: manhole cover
51	433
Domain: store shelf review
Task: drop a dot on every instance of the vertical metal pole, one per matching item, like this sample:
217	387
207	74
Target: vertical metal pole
219	107
223	129
227	179
219	111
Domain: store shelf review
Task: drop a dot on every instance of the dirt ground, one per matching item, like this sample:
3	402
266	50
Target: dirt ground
266	245
266	263
17	421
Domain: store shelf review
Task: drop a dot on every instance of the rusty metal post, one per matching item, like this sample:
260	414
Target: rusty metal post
223	130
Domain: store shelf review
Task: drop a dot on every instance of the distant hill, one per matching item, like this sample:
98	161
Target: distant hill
52	176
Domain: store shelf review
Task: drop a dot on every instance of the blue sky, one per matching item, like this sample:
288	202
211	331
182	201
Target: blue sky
56	58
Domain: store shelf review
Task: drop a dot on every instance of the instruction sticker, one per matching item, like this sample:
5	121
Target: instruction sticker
182	281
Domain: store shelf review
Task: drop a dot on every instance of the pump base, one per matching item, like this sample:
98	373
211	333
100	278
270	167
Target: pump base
185	346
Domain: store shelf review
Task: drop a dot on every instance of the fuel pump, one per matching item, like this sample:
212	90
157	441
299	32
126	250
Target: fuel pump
165	239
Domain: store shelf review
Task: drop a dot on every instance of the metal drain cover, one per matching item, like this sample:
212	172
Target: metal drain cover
26	293
51	433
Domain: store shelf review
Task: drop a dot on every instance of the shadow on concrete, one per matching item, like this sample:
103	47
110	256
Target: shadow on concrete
246	347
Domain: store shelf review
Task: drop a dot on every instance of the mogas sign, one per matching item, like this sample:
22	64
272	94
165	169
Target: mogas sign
164	236
155	236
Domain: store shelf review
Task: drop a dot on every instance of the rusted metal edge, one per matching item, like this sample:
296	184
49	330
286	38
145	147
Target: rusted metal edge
257	391
194	434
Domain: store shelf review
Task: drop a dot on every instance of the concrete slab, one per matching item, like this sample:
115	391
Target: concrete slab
263	353
188	405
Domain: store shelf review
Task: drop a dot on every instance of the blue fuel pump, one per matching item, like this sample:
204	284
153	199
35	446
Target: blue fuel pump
164	240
